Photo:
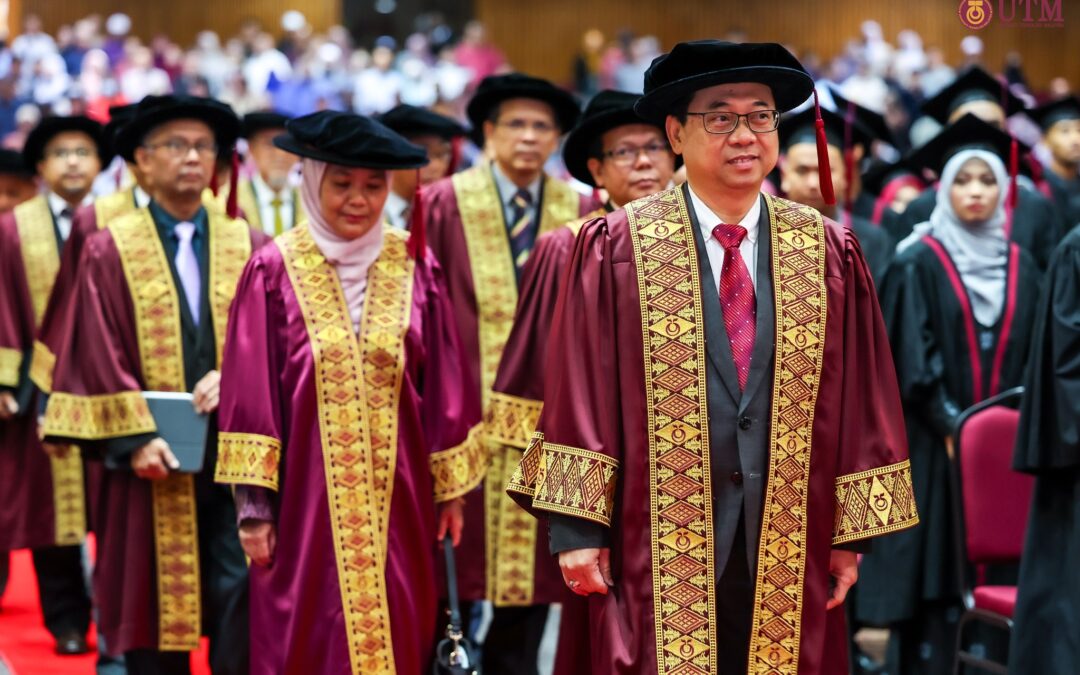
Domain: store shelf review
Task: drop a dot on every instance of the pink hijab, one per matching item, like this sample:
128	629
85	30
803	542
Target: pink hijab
352	258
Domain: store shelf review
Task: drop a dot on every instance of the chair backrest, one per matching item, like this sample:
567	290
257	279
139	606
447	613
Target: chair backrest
995	499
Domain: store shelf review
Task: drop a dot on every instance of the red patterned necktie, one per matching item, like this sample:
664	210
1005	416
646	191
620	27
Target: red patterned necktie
737	300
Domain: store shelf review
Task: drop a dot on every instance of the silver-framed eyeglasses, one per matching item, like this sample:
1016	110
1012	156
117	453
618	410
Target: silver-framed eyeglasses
724	122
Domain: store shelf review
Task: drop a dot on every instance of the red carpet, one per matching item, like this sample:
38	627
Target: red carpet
26	647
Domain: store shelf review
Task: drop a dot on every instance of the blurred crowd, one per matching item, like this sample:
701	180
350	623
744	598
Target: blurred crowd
99	62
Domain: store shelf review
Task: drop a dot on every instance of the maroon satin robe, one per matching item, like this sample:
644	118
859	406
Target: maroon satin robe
297	623
595	399
446	238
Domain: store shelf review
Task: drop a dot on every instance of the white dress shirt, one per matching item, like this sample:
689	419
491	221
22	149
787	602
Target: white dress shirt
748	249
57	204
264	197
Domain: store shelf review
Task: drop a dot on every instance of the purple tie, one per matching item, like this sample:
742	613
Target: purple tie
187	267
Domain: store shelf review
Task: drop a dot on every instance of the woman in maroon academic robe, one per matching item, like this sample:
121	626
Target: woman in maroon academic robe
342	421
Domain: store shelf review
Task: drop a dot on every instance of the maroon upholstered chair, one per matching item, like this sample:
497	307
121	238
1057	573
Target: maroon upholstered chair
991	504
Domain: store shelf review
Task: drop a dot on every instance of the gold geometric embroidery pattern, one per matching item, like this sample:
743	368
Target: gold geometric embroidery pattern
575	482
10	364
99	416
157	321
42	365
458	470
523	480
495	286
69	504
114	205
41	258
798	244
358	389
874	502
665	258
230	248
247	459
511	420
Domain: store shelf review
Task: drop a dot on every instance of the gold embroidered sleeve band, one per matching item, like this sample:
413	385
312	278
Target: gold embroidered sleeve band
10	363
874	502
94	418
511	420
42	366
248	459
574	482
460	469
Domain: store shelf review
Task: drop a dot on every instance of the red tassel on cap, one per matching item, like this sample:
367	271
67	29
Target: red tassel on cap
417	227
824	170
214	187
455	155
232	208
1010	200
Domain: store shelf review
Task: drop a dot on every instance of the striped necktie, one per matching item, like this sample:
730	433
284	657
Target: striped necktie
522	232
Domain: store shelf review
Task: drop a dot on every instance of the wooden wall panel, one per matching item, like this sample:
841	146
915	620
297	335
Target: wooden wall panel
183	19
542	37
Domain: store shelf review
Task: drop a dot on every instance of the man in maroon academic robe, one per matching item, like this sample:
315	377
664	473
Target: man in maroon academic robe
721	416
613	149
481	226
151	301
43	496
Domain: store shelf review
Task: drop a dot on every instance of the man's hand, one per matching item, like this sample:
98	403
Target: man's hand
154	460
207	393
587	570
8	407
452	519
258	538
844	570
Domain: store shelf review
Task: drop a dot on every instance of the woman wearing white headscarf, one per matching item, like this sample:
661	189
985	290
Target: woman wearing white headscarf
342	424
959	304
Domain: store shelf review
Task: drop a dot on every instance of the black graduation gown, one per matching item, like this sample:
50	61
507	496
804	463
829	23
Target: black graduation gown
1066	193
877	246
1037	224
1046	637
927	324
863	205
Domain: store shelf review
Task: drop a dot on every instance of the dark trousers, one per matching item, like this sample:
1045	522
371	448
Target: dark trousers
734	609
513	641
65	602
224	595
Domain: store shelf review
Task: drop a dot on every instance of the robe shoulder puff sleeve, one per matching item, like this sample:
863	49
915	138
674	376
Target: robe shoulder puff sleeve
451	419
873	451
579	433
97	399
15	333
250	427
1049	435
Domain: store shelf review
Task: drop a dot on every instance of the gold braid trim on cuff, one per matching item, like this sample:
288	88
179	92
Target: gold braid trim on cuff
511	420
460	469
567	480
248	459
874	502
10	363
94	418
41	367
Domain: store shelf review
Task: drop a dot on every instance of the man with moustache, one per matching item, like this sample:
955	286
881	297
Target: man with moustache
150	304
268	201
481	225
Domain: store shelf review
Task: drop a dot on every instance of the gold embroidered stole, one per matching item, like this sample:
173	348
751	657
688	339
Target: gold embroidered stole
41	262
245	199
510	533
106	208
157	320
675	375
358	384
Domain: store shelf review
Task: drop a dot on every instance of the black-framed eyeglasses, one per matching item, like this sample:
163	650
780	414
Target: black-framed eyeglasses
723	122
180	148
627	155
